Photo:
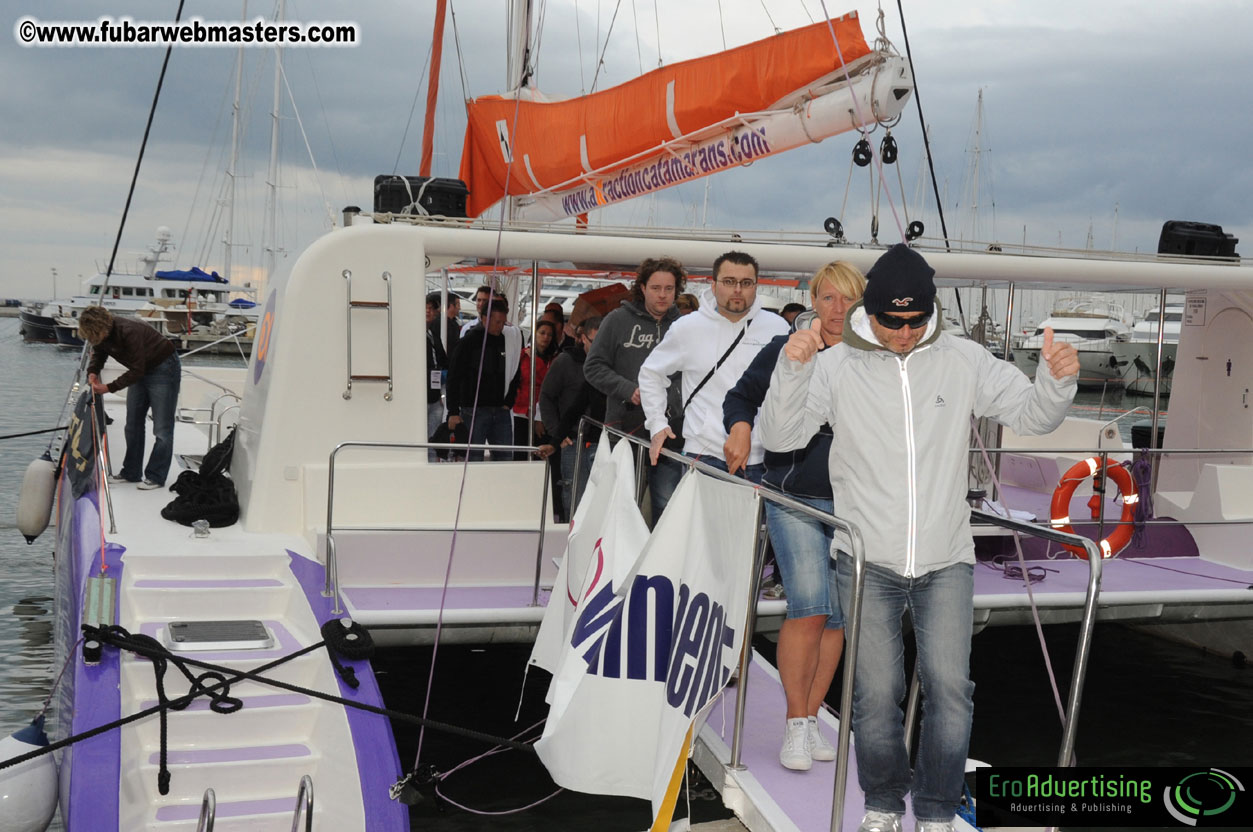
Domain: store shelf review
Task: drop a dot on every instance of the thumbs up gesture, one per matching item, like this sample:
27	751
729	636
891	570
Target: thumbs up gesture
804	344
1062	358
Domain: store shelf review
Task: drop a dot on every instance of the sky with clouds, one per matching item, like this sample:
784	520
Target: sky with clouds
1110	117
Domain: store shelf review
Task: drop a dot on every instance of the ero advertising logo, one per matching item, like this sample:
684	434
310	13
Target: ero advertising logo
1203	796
1119	797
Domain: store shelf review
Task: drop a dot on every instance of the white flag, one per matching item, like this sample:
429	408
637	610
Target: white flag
606	474
639	669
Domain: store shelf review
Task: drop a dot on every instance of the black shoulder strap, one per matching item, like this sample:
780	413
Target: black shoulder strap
724	357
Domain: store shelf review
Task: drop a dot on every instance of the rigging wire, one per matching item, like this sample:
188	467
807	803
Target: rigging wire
317	177
143	145
722	26
578	36
773	25
541	19
608	32
330	137
926	140
860	118
465	466
657	23
130	195
461	64
204	170
639	54
413	108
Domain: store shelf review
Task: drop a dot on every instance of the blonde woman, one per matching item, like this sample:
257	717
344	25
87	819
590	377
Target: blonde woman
811	638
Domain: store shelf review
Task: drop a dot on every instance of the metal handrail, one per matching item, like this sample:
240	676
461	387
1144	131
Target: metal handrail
304	800
853	619
1095	565
208	812
102	458
852	624
331	589
216	436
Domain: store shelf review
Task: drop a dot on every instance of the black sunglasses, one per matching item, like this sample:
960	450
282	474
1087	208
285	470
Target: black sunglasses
892	322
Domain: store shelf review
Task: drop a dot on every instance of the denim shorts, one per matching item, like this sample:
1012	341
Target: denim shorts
802	549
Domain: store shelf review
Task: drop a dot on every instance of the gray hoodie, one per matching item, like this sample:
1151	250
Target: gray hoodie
627	336
902	427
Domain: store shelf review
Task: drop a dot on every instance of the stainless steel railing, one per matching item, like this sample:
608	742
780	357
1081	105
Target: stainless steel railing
853	616
331	589
208	812
304	803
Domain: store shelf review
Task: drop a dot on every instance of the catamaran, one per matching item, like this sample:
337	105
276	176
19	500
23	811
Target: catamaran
343	525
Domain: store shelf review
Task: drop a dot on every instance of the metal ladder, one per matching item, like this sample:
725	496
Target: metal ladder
304	801
385	305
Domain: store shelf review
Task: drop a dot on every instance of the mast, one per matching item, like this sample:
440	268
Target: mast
432	91
974	176
228	237
518	37
271	207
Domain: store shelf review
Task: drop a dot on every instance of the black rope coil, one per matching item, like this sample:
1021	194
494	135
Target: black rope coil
216	681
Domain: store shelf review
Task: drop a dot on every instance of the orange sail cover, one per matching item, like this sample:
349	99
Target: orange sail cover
552	143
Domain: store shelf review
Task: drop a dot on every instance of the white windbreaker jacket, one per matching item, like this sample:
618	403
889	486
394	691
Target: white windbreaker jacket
902	430
692	346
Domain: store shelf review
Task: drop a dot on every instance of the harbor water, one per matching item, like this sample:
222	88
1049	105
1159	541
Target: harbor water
1147	701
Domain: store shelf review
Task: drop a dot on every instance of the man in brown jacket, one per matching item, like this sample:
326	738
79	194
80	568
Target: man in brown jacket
151	380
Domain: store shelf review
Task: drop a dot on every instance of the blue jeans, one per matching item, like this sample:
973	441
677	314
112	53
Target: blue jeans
157	390
568	454
434	416
802	550
941	605
493	426
663	478
752	473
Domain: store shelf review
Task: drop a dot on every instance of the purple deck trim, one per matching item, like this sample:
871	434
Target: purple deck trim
285	643
191	811
238	583
804	796
94	765
276	700
1121	574
378	764
427	598
231	755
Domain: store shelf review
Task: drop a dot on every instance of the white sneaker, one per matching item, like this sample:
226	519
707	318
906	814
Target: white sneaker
149	485
115	479
935	826
880	822
795	753
819	748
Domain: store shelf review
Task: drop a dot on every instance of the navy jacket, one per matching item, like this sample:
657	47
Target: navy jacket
802	473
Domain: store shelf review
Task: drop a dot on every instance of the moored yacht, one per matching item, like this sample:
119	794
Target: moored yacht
1137	356
1093	325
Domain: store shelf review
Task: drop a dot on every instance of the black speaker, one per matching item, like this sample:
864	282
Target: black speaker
1195	239
403	195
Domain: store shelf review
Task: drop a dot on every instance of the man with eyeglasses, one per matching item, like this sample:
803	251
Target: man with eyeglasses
899	394
711	348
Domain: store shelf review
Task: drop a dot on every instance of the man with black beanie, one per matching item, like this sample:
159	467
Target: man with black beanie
899	394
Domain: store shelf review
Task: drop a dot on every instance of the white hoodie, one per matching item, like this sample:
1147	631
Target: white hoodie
692	346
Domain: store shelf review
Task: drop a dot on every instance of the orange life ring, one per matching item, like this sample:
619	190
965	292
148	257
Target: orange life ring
1091	467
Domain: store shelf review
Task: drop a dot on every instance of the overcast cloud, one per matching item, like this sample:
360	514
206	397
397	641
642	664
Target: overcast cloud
1086	106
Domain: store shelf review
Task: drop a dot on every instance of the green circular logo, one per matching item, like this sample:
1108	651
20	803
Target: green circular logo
1201	795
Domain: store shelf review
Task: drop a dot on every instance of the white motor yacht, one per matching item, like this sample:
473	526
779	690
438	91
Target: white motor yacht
1137	356
1094	325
